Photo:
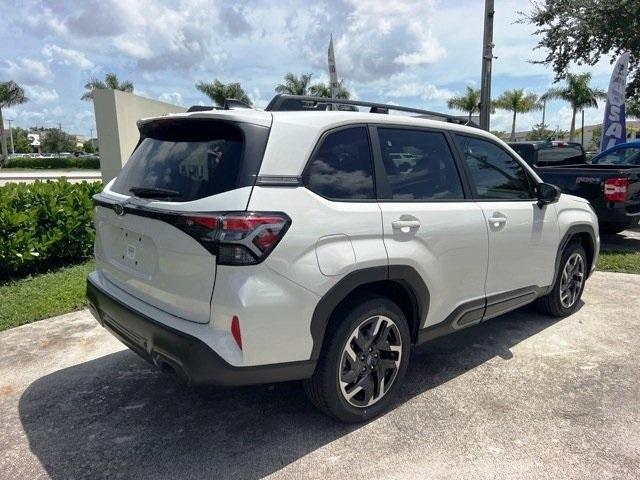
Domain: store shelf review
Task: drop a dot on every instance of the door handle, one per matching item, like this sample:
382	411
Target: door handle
497	221
402	224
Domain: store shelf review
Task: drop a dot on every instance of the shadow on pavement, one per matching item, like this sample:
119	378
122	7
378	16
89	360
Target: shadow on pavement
116	417
628	241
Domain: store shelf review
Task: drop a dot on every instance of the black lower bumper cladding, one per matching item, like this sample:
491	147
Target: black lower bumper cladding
189	357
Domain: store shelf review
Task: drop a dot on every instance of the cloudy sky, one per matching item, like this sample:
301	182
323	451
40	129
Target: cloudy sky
412	52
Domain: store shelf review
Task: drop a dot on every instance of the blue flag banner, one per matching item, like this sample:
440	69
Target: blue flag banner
614	129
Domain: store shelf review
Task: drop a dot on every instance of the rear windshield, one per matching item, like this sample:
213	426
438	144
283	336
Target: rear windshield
192	159
525	151
560	155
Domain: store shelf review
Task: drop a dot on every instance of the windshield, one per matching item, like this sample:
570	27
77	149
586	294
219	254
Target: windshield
186	160
622	156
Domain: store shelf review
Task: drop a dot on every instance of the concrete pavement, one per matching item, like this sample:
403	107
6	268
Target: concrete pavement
521	396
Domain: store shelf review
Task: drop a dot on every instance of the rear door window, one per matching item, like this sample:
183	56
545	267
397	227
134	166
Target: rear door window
419	165
342	168
191	159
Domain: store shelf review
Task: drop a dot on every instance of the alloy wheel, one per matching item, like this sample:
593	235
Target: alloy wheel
571	280
370	361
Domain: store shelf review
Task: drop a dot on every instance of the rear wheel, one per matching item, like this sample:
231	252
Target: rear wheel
363	361
564	297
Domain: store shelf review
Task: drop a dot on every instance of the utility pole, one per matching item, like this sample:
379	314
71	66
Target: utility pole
487	58
13	150
544	108
582	130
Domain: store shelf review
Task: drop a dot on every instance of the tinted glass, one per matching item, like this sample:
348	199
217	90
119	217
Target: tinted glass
525	151
195	158
622	156
342	168
495	174
560	155
419	165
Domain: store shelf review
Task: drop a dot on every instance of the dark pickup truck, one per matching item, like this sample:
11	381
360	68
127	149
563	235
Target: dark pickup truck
612	188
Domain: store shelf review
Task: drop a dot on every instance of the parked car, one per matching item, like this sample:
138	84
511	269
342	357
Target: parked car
612	187
239	246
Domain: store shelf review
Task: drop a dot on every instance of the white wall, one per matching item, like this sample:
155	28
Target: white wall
116	116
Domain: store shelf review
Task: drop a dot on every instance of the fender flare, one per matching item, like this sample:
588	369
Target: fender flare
404	275
566	238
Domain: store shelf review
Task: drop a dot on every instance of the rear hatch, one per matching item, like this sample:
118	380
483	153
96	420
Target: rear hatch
151	222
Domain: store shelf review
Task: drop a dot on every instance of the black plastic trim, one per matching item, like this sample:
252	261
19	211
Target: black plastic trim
571	231
189	356
478	310
406	276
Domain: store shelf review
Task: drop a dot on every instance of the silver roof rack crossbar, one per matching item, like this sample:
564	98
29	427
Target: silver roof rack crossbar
288	103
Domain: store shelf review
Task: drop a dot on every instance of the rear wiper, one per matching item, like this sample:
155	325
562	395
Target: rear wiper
154	192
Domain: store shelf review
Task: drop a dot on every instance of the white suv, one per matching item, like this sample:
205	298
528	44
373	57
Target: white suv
239	246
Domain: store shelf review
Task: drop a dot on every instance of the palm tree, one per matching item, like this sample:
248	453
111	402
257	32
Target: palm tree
517	101
219	92
323	90
111	82
295	86
578	94
10	94
469	103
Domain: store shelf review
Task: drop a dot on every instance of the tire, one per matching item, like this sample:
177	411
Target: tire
556	302
381	327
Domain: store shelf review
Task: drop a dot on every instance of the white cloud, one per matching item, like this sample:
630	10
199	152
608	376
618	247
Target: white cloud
41	94
67	56
425	91
172	97
25	70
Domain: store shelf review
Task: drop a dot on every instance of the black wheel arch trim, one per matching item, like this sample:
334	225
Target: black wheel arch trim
404	275
566	239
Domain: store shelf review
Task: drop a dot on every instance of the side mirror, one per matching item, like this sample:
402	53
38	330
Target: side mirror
547	194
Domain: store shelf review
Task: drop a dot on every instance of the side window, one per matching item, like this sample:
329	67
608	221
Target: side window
622	156
495	174
419	165
341	168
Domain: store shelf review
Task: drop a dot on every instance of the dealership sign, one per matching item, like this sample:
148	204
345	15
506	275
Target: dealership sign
614	129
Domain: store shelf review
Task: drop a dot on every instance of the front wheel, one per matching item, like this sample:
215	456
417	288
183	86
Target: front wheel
564	297
363	361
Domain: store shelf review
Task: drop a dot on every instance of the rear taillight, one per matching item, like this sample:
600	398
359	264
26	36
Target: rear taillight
615	189
243	238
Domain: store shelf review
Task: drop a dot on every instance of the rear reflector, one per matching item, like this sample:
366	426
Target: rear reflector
235	331
615	189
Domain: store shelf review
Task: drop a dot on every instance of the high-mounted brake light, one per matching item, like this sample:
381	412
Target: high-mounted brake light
615	189
243	238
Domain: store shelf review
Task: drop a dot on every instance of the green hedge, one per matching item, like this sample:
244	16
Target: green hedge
45	224
55	162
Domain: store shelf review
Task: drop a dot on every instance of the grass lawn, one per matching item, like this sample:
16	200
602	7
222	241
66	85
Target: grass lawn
616	261
42	296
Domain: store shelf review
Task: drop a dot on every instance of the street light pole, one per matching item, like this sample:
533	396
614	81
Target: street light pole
13	150
487	58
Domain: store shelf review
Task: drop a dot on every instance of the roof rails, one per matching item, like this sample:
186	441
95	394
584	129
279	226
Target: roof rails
287	103
229	104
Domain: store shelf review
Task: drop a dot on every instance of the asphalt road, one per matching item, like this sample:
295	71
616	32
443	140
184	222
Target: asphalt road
521	396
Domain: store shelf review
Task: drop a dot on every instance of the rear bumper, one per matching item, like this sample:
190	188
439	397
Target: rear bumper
617	215
188	356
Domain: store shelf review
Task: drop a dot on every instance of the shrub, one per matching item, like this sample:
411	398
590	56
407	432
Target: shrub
54	162
45	224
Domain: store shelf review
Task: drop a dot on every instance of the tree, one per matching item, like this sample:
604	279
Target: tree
541	131
11	94
517	101
295	86
632	108
21	141
578	94
88	146
218	92
582	31
56	141
596	138
110	82
323	90
469	103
